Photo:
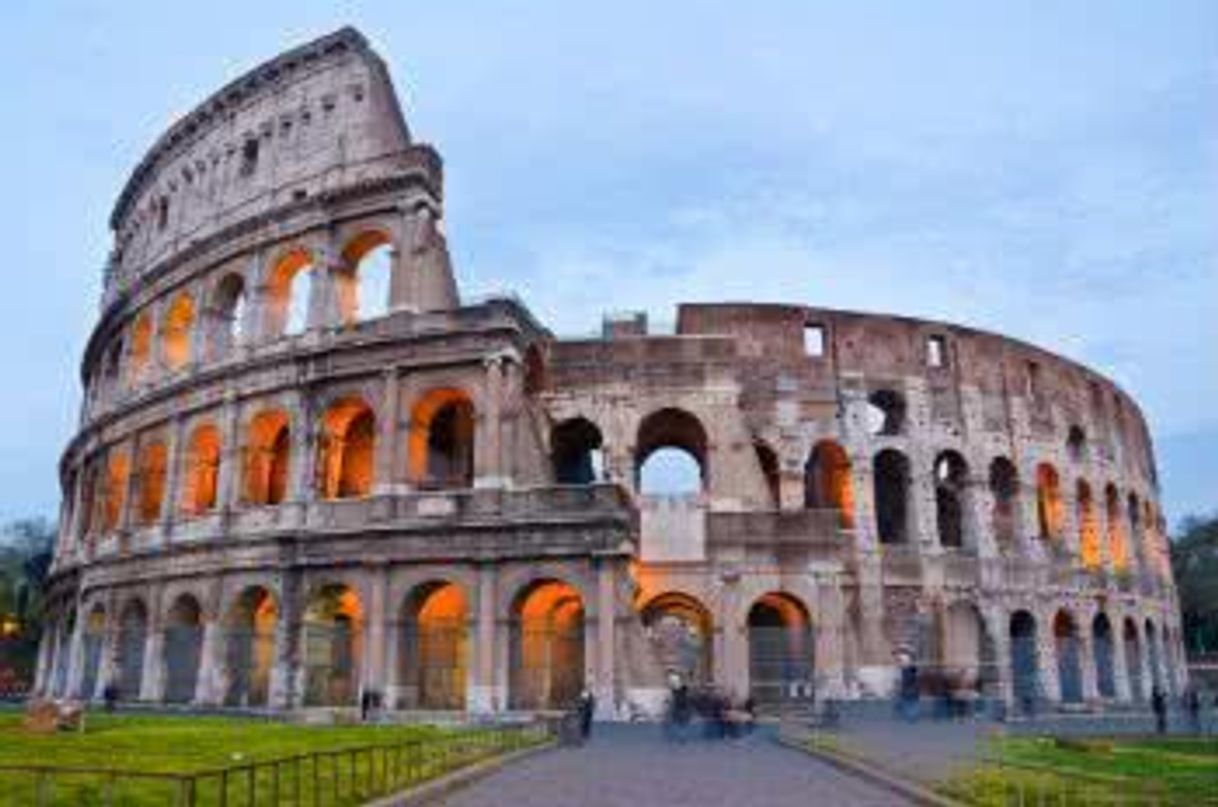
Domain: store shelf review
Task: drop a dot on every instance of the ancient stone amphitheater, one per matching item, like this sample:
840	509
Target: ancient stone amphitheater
307	470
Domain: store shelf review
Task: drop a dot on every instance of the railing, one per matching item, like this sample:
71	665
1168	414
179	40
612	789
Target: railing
324	778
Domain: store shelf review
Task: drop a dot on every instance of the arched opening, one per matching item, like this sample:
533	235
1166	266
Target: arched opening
442	440
434	657
347	450
577	452
885	413
951	487
1025	683
1152	656
112	368
228	315
94	643
890	472
670	454
767	460
1134	510
333	646
781	648
132	640
153	459
176	331
183	649
364	281
1088	529
141	348
1101	638
1004	487
1076	444
202	472
249	651
1069	665
828	483
679	630
546	661
1133	660
1048	502
287	294
1118	549
267	454
114	494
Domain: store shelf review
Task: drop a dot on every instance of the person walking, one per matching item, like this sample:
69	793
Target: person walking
1158	704
1192	707
587	706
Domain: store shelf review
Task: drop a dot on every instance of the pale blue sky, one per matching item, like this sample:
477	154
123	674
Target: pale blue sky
1049	171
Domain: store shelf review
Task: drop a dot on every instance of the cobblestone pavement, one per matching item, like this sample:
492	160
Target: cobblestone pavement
633	765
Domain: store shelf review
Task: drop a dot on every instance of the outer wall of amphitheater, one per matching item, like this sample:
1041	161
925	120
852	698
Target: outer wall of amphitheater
307	470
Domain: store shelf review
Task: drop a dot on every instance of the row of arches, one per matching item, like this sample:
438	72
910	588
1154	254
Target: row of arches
440	452
206	324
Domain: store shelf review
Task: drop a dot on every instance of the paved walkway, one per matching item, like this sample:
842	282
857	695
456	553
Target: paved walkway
632	766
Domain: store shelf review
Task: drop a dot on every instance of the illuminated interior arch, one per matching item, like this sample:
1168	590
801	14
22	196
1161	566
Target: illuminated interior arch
176	331
287	293
141	348
1118	547
152	463
434	656
202	471
346	451
249	652
1088	527
333	646
362	284
441	443
114	491
267	456
1048	502
546	655
827	481
1004	487
781	647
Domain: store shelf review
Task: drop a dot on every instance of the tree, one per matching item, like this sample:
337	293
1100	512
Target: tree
25	559
1194	562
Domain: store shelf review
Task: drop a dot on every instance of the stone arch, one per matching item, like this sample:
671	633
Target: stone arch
577	452
1133	659
891	478
1025	677
151	471
1118	549
828	483
182	649
332	645
782	647
177	330
363	281
1004	487
680	633
682	437
132	645
1088	528
249	647
1102	648
1069	662
440	447
201	474
288	289
886	411
268	450
951	490
226	316
433	657
1048	502
1134	514
546	646
767	463
346	460
114	493
140	356
1076	444
94	645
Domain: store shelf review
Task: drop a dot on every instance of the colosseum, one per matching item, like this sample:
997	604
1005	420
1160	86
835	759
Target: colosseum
306	469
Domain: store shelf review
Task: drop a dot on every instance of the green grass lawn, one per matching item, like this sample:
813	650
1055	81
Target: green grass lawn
162	744
1096	770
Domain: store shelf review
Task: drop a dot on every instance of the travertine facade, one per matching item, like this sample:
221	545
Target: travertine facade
287	490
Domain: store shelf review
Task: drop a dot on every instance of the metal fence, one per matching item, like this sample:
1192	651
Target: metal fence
321	778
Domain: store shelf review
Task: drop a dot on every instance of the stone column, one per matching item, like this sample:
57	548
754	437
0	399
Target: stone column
1087	666
830	669
1046	657
284	686
483	691
152	679
387	439
605	686
208	691
228	477
303	459
488	438
76	654
1120	665
323	293
173	476
373	667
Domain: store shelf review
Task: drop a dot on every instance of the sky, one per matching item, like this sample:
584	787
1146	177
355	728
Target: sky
1045	170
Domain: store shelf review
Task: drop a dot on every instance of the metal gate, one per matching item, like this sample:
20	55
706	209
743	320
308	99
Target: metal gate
248	660
1024	679
131	642
1069	673
546	667
329	664
183	646
1105	682
781	663
434	664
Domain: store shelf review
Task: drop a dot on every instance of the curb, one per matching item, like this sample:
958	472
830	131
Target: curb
878	776
431	791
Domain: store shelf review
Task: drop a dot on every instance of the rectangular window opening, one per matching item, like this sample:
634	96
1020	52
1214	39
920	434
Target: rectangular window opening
936	351
814	340
1033	380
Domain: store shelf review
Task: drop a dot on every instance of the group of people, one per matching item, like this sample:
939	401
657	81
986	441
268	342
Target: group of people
721	718
1193	707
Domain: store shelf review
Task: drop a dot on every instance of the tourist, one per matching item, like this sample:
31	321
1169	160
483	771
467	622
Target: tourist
1158	705
110	696
587	705
1192	707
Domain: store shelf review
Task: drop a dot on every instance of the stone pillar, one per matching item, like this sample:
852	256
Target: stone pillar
174	460
1046	657
208	691
829	637
46	658
303	459
152	680
605	684
76	654
228	477
1120	665
488	438
372	670
323	293
978	504
422	274
284	685
1087	666
734	669
387	439
483	691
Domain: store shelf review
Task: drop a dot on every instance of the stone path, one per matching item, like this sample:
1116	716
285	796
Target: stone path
632	765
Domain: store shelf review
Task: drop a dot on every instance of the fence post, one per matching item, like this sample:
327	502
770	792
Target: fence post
40	788
110	789
224	787
316	781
